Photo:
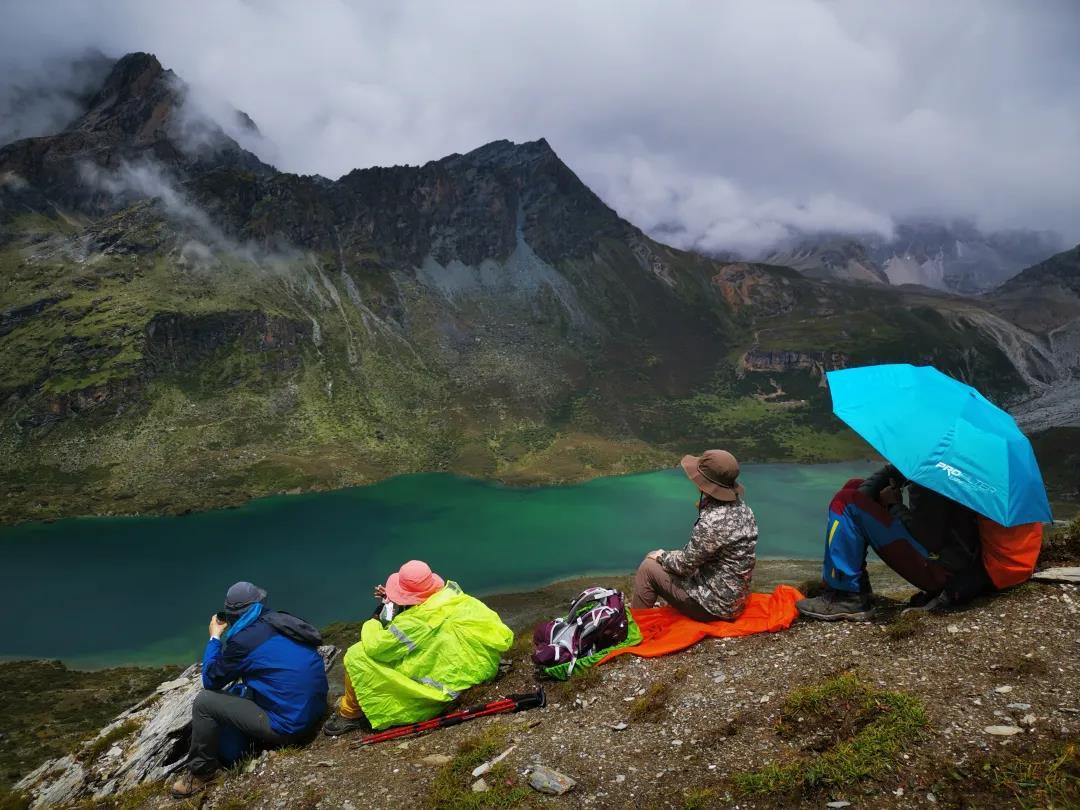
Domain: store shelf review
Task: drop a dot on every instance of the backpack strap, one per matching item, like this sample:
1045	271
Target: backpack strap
586	596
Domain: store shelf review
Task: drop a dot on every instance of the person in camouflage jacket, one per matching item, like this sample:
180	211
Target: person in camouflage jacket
709	579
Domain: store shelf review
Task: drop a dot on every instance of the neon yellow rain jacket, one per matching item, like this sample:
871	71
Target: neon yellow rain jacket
409	670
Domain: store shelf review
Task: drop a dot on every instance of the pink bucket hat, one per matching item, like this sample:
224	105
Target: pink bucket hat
413	583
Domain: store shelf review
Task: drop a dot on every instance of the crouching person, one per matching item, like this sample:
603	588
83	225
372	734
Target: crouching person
430	643
709	579
264	685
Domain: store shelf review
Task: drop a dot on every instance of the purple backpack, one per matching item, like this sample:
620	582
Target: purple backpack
596	621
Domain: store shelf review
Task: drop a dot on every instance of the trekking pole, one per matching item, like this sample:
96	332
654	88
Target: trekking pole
511	703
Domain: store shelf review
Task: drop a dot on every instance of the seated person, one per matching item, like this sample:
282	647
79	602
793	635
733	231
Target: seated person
278	680
710	578
932	542
430	644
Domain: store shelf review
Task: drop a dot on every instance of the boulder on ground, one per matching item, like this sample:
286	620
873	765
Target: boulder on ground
144	743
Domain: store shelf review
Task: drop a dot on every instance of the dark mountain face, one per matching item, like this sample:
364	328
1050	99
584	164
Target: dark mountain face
182	325
136	116
1045	299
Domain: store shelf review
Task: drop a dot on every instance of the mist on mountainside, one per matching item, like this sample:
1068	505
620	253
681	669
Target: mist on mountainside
727	136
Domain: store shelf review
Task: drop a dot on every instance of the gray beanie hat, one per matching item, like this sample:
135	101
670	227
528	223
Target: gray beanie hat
243	595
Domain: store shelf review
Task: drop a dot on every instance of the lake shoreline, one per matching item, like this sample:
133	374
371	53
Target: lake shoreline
183	504
520	609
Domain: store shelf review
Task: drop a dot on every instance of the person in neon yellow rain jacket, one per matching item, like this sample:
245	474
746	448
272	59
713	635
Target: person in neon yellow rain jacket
408	669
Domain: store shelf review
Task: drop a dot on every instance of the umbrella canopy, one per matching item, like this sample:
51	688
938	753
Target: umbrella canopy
946	436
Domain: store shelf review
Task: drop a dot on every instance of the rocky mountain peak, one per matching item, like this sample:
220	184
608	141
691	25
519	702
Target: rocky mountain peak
138	103
505	154
139	115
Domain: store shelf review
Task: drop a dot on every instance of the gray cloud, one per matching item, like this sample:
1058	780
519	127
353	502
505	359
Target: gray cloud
720	125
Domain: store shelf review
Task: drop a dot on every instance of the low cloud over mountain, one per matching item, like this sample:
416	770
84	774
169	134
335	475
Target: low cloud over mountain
722	127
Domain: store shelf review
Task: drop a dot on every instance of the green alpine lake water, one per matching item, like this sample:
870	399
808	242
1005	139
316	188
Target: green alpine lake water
106	591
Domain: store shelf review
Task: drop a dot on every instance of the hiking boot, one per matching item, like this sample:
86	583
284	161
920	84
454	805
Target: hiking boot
925	603
835	605
338	725
189	784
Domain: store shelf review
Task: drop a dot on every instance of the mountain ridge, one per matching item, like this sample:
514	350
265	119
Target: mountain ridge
198	329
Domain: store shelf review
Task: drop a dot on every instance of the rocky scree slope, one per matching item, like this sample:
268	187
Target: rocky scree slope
951	256
182	326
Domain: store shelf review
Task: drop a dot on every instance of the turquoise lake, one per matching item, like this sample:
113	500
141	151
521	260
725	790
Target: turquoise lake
105	591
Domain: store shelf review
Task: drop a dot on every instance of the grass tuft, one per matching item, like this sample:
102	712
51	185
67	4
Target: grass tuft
239	802
1048	780
700	799
864	730
904	626
131	799
11	800
650	705
452	787
100	745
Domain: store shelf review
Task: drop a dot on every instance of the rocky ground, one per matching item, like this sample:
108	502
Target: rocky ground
976	708
695	722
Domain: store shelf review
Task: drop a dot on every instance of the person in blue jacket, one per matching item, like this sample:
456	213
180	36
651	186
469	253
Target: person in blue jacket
264	683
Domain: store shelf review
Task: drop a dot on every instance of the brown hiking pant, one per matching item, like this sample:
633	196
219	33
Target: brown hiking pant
653	582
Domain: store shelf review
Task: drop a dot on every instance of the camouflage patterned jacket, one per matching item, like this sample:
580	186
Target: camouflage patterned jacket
716	565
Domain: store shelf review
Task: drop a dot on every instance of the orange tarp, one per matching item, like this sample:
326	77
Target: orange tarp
664	630
1009	553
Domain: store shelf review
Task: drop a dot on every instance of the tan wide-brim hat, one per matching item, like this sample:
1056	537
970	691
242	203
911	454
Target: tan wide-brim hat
715	472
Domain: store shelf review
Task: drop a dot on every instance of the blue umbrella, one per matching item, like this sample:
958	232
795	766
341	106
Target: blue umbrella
946	436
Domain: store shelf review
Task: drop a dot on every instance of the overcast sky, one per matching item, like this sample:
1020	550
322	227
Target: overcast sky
718	124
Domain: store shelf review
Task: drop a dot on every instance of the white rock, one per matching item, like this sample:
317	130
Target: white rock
1019	706
840	803
620	726
953	628
550	781
1028	719
480	786
1002	731
1003	689
436	760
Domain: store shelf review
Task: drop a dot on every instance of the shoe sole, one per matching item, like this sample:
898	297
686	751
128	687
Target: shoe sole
861	616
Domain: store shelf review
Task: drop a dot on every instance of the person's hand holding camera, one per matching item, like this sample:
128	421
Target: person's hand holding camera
217	627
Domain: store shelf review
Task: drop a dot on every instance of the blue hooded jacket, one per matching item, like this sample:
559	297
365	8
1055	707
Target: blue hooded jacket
287	678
